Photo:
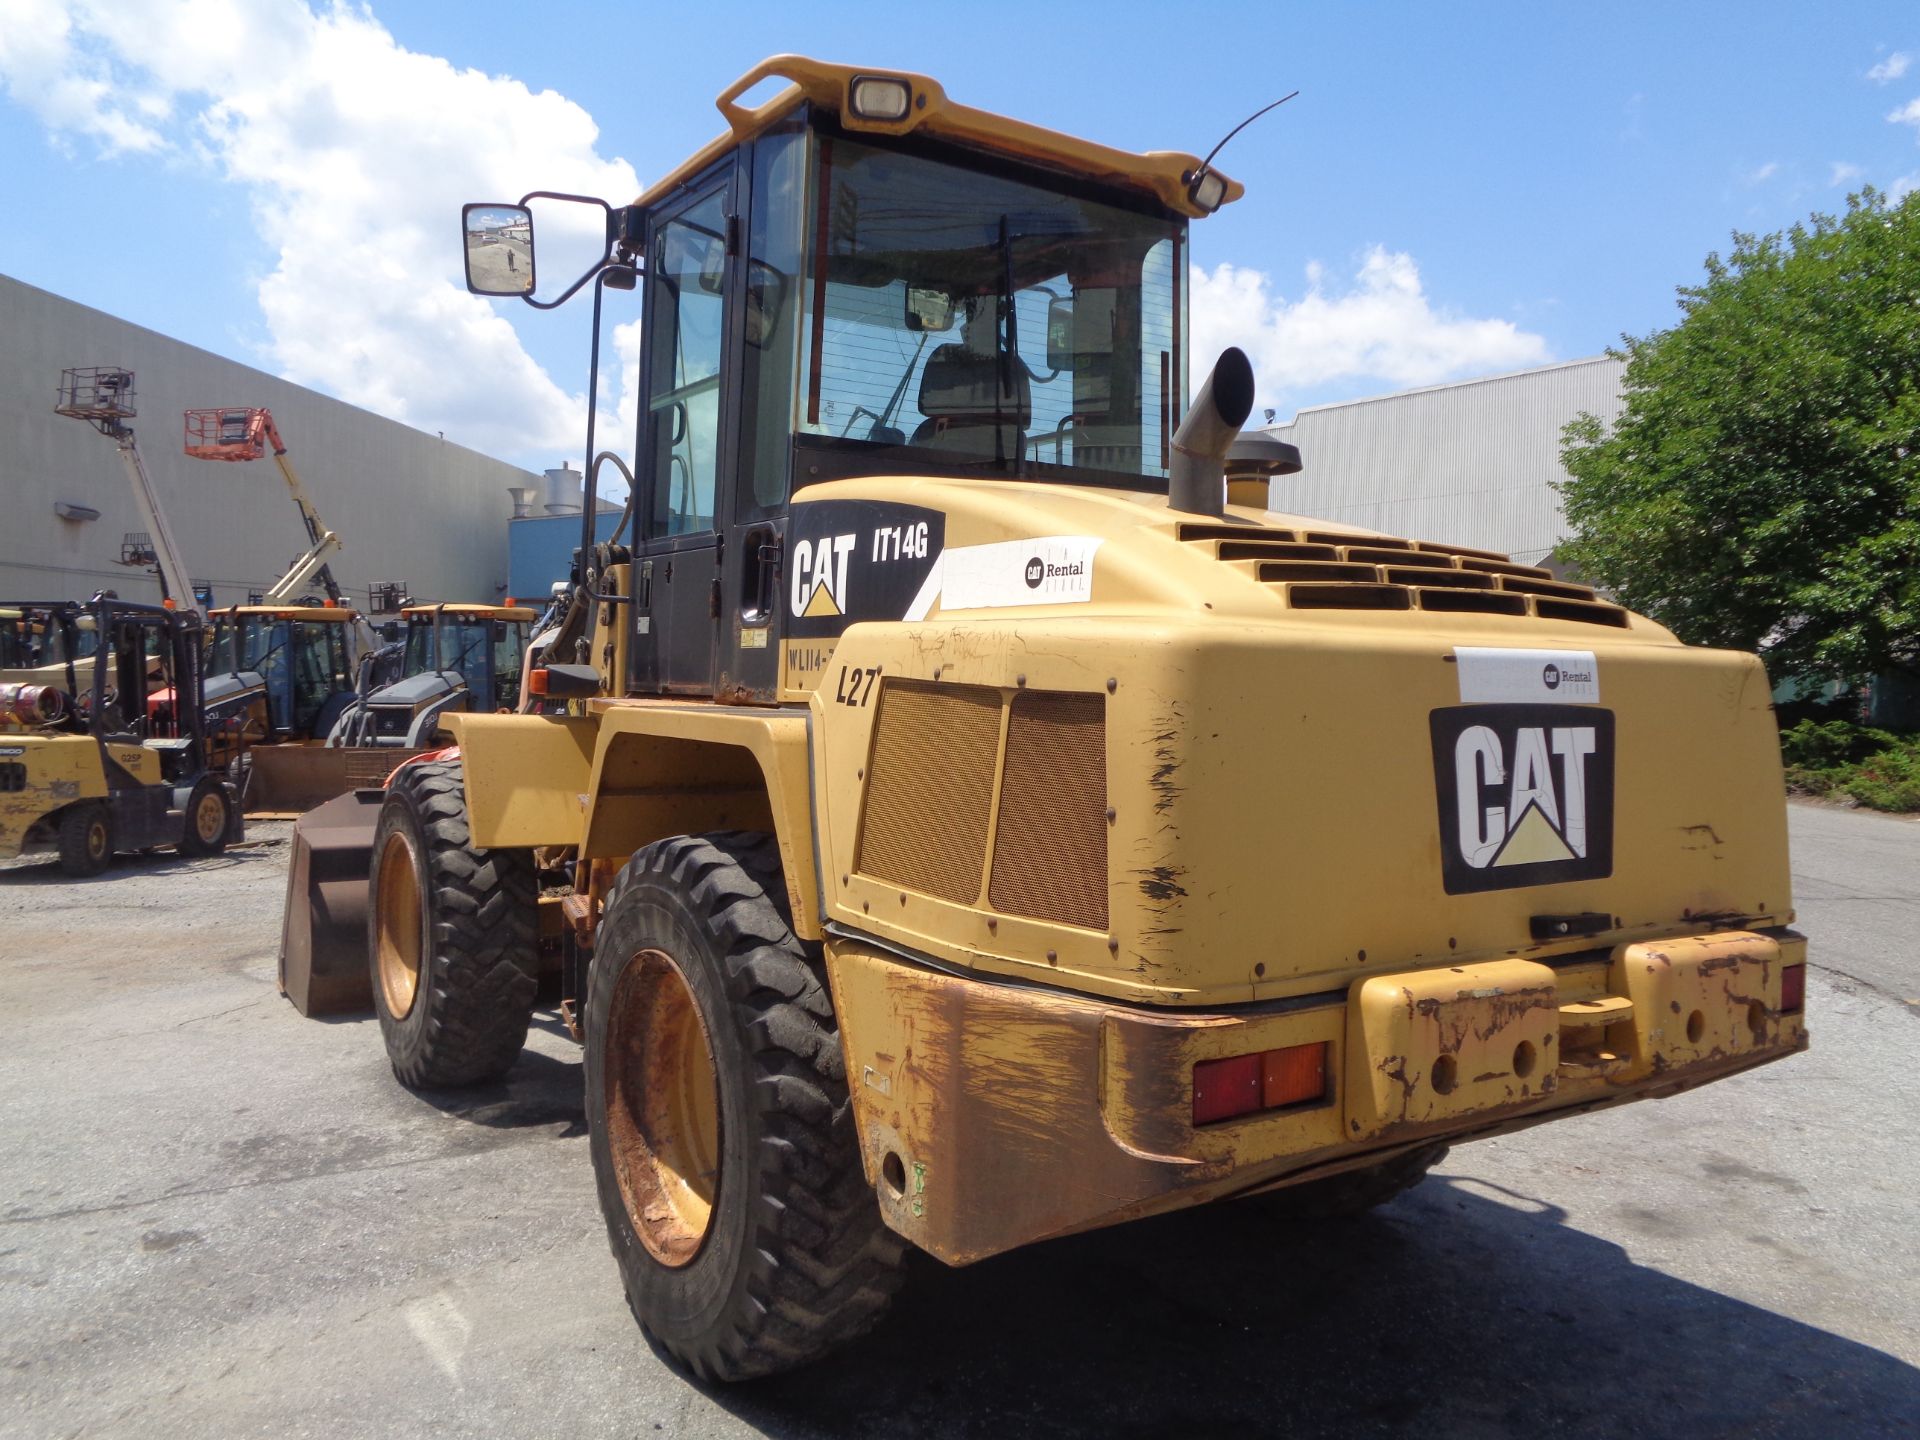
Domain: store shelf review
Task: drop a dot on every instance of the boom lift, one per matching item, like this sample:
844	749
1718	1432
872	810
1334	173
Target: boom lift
298	658
969	824
103	397
243	434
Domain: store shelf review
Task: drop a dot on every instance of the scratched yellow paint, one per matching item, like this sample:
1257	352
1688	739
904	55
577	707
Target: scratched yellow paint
59	769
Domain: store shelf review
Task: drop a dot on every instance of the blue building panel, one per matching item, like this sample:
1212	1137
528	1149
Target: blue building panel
540	552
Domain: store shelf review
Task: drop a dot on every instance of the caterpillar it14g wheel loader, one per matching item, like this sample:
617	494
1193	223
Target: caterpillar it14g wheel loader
964	824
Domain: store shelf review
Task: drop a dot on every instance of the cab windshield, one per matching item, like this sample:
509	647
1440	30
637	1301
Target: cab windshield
980	321
476	648
303	663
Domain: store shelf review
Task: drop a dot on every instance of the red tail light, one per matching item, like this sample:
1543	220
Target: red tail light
1225	1088
1793	989
1265	1080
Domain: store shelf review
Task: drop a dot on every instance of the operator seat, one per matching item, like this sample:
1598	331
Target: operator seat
957	391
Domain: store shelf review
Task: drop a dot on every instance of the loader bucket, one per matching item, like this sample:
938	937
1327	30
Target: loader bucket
323	934
292	779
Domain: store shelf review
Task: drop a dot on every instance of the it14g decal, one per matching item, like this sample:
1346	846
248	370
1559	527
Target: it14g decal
854	560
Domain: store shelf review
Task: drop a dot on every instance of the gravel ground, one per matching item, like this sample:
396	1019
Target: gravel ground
217	1218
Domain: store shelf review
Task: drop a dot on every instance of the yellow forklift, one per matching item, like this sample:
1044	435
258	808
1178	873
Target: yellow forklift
97	767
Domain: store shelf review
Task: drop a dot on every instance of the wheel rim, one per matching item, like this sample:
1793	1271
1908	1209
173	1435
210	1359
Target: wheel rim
97	840
397	934
209	818
663	1108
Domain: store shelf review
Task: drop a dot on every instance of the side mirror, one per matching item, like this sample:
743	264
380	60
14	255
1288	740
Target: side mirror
1061	354
499	247
929	311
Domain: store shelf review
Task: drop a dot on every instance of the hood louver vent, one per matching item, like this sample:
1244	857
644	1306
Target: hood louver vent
1326	570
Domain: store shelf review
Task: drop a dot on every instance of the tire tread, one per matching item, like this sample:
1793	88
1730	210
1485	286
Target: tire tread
484	972
823	1267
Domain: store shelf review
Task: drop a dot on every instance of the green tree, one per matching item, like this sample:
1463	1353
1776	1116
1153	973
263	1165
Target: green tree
1762	488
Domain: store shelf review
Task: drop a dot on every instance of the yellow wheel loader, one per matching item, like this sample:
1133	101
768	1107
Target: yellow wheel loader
964	824
101	765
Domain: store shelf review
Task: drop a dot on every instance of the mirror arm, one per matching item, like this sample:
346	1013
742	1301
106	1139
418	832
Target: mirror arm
615	221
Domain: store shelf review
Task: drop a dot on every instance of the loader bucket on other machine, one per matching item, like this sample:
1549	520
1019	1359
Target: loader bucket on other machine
288	780
323	936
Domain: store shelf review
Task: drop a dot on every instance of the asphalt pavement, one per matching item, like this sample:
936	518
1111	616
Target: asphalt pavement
220	1219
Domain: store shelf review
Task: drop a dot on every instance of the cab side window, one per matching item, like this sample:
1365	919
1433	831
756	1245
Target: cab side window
686	315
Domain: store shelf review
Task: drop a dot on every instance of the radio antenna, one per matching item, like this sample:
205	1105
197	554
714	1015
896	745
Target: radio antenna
1193	180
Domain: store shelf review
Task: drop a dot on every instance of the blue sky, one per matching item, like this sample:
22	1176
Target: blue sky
1458	189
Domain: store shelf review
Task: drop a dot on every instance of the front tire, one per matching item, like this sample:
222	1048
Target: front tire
86	838
721	1131
208	818
452	936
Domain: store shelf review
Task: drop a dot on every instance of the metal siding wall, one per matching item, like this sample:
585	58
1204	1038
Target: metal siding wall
1470	464
406	505
540	552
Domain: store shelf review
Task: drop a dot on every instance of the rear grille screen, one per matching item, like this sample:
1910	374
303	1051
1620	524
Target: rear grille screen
930	788
1050	848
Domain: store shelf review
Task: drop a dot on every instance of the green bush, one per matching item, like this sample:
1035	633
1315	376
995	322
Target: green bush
1824	746
1836	757
1889	780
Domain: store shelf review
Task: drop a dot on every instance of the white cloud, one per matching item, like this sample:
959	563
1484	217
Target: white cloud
1381	328
355	154
1903	187
1844	173
1891	68
1907	114
1763	173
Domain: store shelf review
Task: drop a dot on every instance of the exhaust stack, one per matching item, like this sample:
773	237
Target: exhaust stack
1197	478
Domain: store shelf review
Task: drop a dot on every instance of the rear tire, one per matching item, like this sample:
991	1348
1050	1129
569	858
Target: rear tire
452	936
1353	1192
208	818
86	838
723	1141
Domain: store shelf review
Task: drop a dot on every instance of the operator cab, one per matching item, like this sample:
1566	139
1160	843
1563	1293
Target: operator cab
301	655
46	643
480	644
864	278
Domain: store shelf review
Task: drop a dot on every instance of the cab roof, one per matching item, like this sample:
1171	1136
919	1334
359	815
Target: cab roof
1163	174
486	612
335	614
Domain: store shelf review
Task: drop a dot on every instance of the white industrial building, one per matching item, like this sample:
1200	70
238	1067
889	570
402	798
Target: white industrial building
1471	463
407	506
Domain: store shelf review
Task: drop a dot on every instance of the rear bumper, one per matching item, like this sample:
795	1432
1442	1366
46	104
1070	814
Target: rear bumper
992	1116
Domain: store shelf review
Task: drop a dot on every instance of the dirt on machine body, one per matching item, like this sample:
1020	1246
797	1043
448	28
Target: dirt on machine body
961	813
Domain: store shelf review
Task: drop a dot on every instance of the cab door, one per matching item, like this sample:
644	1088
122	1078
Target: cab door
686	445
